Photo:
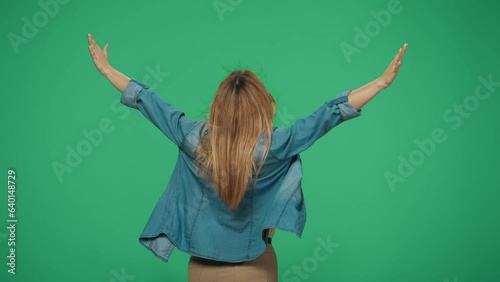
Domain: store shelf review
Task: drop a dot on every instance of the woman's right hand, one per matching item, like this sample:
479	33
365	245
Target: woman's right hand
392	70
100	57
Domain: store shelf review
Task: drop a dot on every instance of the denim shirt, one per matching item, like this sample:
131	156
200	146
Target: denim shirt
190	215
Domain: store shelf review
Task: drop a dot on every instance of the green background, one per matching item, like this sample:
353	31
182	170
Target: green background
440	224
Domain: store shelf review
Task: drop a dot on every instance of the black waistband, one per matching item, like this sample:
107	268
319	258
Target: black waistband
269	240
265	236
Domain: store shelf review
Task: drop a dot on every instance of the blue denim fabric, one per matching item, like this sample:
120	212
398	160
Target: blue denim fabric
190	216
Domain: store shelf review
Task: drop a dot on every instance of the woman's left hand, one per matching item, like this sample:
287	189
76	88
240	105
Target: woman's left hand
100	57
392	70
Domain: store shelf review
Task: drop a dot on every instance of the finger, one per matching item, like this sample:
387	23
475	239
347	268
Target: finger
402	53
405	46
397	57
398	63
92	53
94	43
106	50
95	52
91	48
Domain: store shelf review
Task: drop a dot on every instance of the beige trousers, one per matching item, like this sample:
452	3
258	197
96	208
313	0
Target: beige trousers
261	269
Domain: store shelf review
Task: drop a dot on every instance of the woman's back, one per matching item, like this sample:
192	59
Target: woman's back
191	216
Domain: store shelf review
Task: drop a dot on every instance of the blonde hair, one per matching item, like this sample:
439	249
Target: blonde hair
241	111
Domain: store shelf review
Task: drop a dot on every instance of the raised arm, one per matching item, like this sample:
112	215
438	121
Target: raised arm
292	140
359	97
171	121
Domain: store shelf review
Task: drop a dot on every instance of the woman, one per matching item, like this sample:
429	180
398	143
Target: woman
232	185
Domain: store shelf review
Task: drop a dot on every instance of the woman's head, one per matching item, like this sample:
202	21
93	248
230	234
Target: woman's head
241	111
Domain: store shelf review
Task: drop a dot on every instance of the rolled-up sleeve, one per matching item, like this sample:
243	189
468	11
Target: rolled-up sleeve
347	111
292	140
171	121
